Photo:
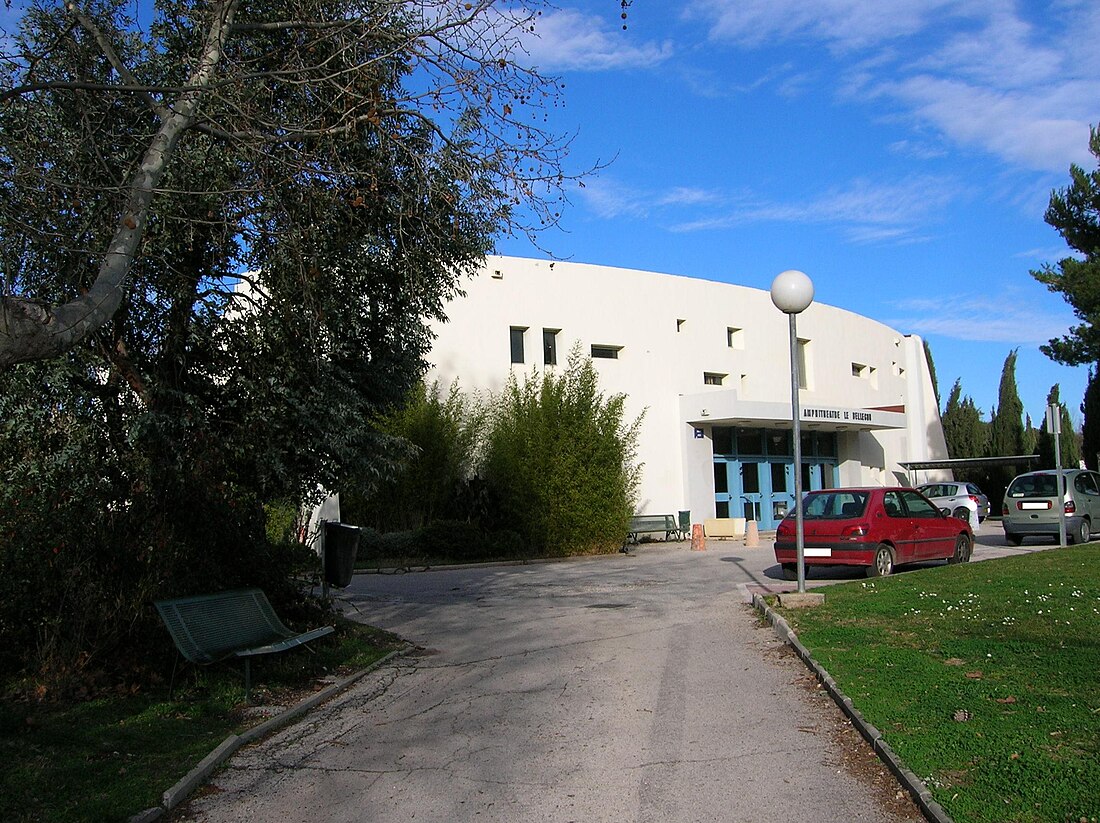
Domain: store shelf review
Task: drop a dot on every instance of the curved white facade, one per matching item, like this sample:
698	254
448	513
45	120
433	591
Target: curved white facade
709	364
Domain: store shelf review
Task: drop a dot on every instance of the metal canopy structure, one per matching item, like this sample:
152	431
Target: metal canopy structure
969	463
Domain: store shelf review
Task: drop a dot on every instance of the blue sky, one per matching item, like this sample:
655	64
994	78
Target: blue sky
900	153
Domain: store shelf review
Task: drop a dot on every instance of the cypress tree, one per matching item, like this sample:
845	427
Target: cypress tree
1007	427
963	428
1071	452
932	372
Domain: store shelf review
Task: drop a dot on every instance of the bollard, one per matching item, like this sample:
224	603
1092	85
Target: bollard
752	534
698	541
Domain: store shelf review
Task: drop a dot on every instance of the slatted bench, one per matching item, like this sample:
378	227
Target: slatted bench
212	627
652	524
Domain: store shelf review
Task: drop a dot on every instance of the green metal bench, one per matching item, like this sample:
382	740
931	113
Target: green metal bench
652	523
212	627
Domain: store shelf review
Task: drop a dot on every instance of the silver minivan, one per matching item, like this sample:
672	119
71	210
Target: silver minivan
1032	500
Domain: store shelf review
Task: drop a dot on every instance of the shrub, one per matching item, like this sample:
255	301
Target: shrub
440	435
559	461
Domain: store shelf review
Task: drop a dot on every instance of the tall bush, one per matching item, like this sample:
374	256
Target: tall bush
560	461
441	436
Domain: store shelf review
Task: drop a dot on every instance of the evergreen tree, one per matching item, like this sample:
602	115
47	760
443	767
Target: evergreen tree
963	428
1075	213
1090	432
932	372
1070	448
1031	436
1007	427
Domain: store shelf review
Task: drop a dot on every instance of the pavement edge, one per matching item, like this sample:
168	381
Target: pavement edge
913	784
205	767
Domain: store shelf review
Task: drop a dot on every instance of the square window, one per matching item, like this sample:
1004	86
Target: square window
606	352
713	378
735	338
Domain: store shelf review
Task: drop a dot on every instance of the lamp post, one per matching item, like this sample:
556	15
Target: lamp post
792	291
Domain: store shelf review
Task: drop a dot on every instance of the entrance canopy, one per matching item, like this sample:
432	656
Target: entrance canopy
724	409
1026	460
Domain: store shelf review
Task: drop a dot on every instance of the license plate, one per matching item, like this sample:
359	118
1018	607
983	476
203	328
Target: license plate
811	551
1029	505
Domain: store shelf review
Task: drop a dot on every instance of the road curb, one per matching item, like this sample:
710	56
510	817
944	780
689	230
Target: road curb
199	774
909	781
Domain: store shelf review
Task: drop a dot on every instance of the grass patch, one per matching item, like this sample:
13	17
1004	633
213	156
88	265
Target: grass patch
108	758
983	677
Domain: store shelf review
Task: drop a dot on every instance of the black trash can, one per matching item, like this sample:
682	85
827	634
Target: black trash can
340	547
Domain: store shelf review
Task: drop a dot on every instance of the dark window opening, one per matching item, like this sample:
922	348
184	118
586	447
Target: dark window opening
516	338
550	347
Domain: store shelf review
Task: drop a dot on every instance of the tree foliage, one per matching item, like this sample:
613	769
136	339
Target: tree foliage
121	122
1075	213
1006	429
1067	440
1090	429
284	193
932	372
966	434
559	461
433	482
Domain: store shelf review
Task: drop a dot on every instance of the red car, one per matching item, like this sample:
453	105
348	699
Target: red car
873	527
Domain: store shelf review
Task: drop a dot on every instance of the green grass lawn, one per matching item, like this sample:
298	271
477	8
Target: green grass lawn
983	677
109	758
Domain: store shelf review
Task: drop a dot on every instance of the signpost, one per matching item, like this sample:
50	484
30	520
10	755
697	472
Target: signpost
1054	427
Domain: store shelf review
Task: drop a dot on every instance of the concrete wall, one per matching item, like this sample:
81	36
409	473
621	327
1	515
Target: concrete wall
672	330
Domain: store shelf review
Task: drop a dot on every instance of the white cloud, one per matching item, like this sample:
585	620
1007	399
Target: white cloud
1017	126
1050	254
609	198
867	212
1012	320
1019	82
918	151
569	40
841	24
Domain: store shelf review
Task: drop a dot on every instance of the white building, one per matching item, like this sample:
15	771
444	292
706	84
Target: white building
709	364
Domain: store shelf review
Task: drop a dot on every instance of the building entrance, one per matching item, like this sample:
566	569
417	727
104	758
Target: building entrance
754	471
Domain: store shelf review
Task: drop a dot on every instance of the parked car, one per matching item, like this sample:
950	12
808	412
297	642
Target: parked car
1031	503
879	528
962	500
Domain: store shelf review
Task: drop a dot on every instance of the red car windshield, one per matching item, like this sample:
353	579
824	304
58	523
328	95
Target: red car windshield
836	505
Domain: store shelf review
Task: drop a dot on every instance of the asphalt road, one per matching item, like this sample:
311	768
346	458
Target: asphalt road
625	688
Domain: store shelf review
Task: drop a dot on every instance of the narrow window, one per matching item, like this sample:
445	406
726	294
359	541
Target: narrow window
713	378
550	346
606	352
803	376
680	324
516	336
735	338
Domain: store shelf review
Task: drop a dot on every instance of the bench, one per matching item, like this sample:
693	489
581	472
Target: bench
652	523
212	627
